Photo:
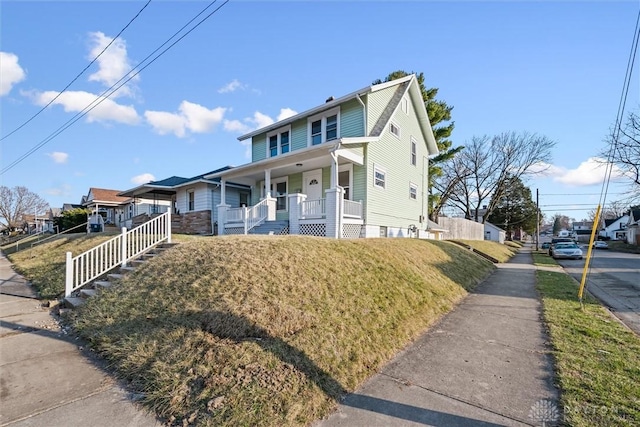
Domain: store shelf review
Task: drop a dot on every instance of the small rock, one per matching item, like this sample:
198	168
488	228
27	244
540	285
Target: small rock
215	403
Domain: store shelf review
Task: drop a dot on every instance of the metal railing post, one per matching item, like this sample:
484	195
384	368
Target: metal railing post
68	279
123	247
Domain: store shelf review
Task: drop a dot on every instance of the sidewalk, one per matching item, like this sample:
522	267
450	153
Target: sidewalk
486	363
46	378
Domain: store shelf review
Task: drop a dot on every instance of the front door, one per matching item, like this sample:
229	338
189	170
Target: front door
313	184
313	207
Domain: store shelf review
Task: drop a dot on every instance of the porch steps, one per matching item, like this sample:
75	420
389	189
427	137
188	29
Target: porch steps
270	227
94	288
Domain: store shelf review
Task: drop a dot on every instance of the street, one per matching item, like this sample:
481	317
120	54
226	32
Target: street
614	278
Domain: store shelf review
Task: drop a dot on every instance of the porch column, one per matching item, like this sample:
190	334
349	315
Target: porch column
333	201
295	210
222	217
334	171
271	201
267	183
223	191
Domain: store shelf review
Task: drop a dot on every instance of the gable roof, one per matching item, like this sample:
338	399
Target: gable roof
405	84
105	195
635	216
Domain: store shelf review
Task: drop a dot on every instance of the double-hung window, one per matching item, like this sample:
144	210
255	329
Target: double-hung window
279	142
379	177
414	151
324	127
191	200
413	191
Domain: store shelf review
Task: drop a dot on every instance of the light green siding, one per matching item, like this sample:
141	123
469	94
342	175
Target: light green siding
259	147
295	183
298	135
351	119
376	104
326	180
359	183
392	206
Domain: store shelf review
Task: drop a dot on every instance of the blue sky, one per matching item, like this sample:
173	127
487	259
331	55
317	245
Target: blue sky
555	68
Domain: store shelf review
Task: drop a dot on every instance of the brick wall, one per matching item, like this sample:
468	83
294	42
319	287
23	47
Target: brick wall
191	222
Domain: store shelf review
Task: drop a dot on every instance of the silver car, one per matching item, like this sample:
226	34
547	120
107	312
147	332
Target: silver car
567	250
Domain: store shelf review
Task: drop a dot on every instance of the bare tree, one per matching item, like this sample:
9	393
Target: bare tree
626	152
480	173
16	202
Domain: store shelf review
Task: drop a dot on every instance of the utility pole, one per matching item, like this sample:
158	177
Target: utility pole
537	219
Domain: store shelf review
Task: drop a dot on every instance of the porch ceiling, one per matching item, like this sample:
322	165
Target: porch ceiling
150	193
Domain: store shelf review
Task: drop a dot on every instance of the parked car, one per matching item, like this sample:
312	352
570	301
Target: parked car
546	245
556	240
566	250
599	244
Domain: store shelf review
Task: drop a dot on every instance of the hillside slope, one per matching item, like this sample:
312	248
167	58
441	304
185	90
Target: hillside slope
271	330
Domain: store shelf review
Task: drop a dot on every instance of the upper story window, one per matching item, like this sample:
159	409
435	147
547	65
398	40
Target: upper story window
404	105
379	177
279	141
394	129
414	151
324	127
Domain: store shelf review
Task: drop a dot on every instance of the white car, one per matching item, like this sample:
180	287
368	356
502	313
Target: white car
567	250
599	244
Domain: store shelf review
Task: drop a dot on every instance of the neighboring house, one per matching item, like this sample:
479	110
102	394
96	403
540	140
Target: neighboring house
193	200
633	228
355	166
615	229
494	233
118	210
581	231
70	206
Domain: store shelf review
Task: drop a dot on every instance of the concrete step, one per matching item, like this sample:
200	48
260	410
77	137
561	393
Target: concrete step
127	269
74	302
167	245
102	284
88	293
115	276
138	262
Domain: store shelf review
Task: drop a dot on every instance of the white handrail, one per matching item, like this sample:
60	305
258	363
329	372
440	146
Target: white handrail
255	215
313	208
95	262
352	209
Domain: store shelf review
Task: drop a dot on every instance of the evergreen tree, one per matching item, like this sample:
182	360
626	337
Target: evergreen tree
515	210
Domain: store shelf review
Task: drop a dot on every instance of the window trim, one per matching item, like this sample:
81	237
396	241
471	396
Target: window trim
393	124
279	133
414	152
383	171
274	182
323	125
413	186
404	105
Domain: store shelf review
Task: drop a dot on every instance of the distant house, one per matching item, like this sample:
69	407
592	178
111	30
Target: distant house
615	229
193	200
633	227
355	166
118	210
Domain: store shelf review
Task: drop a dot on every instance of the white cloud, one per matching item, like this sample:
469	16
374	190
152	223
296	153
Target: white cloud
232	86
260	120
63	190
113	64
590	172
236	126
59	157
143	178
190	117
10	71
76	101
285	113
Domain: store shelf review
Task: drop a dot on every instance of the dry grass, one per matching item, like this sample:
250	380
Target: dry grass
597	359
271	330
44	264
501	252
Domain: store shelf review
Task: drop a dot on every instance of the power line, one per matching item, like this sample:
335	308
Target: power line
117	85
77	76
575	194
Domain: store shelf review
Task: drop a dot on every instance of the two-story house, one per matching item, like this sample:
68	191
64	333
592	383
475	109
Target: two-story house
355	166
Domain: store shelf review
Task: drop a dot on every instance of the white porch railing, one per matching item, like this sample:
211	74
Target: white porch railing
248	217
352	209
313	209
92	264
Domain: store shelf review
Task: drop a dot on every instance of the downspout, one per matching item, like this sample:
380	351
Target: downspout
364	115
213	210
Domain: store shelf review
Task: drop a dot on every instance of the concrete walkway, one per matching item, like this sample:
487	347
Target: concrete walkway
46	378
484	364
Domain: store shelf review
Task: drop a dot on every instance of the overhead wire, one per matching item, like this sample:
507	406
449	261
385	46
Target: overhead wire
124	80
78	75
